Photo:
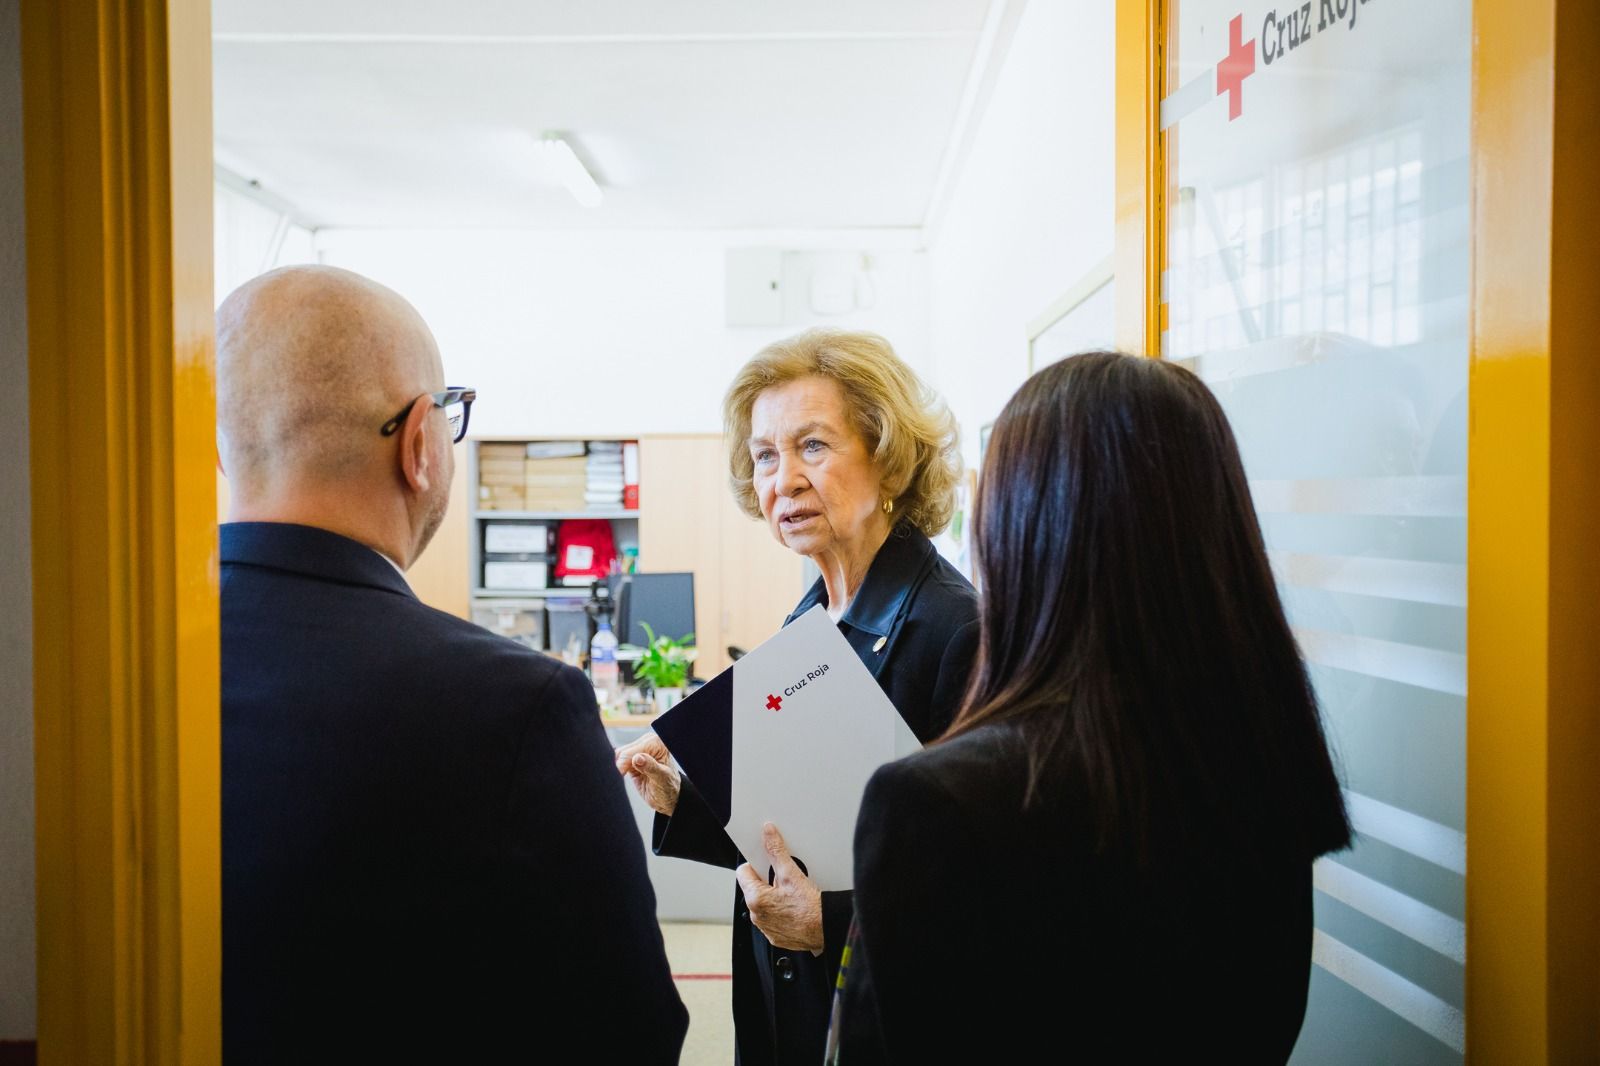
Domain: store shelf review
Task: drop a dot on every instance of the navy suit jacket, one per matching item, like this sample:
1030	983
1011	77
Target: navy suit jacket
426	849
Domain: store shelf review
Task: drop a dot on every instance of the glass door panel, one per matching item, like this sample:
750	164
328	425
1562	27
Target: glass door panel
1316	277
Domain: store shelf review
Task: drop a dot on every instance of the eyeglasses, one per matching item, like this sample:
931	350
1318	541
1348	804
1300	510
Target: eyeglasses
457	404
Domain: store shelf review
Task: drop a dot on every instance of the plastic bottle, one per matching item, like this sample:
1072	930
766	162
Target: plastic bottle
603	665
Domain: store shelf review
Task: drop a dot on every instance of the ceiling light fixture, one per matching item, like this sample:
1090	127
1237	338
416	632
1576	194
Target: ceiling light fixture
556	162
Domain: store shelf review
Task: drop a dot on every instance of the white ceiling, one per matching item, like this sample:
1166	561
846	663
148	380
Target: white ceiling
766	114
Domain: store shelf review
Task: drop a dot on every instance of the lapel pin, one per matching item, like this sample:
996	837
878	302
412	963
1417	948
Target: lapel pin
881	642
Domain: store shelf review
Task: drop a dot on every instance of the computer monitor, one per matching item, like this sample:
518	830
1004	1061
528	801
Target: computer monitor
665	601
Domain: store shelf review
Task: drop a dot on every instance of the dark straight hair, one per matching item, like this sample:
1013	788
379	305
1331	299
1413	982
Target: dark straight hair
1130	623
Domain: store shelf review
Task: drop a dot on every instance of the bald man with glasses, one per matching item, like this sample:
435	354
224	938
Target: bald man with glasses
426	851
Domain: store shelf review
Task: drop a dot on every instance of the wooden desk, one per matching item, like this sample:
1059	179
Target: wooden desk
627	721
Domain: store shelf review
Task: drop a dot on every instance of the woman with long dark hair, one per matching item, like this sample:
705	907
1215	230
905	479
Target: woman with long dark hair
1108	856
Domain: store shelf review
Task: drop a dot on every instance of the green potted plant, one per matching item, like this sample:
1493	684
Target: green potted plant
663	665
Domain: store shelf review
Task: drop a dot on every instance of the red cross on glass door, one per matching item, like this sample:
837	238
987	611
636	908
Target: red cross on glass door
1239	64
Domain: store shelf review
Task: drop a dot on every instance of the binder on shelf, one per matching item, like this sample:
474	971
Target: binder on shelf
630	475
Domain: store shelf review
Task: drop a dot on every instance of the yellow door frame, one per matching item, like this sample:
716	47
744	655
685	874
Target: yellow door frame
1533	534
1533	525
117	170
1141	174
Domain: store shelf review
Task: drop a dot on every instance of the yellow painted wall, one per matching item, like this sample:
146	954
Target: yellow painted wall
439	576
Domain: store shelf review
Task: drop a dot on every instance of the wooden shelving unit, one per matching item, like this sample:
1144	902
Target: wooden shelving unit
489	605
686	521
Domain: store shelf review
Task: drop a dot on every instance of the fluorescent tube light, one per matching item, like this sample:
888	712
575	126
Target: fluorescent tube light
558	163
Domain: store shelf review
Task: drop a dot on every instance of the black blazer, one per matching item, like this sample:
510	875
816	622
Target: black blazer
426	850
914	623
986	931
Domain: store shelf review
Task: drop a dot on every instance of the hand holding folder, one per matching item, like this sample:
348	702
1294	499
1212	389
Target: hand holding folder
789	735
645	763
788	910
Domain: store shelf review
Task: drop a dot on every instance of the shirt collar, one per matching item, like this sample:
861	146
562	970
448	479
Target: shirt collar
888	582
314	552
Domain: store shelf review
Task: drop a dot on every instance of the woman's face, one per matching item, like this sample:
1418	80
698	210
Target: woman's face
817	485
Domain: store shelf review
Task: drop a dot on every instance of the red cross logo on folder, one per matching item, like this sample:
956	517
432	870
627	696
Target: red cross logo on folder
774	703
1238	65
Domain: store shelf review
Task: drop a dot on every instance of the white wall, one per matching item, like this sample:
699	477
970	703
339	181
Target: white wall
617	332
1032	210
18	991
251	238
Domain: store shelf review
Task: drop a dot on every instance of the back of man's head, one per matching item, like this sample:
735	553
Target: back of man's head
312	361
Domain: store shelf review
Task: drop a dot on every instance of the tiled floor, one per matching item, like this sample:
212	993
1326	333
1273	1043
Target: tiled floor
699	954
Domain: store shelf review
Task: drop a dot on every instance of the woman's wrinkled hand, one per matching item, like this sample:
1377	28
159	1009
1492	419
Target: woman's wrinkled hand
645	762
789	911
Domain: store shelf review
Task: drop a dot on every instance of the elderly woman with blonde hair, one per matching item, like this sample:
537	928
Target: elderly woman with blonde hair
852	462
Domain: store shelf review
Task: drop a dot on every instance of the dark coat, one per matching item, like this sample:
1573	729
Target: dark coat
986	931
426	850
914	623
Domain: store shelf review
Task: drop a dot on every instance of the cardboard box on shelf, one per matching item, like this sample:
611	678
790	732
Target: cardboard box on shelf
554	484
501	450
500	498
500	475
564	464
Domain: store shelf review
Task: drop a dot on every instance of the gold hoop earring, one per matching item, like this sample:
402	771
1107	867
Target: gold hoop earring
888	506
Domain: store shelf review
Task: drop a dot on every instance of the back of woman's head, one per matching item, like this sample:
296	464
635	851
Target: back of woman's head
1130	622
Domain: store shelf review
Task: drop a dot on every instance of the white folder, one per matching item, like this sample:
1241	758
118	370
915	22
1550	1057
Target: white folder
790	734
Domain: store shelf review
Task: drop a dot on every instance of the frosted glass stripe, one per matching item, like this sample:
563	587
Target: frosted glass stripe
1411	833
1413	918
1411	1001
1280	353
1271	355
1429	668
1433	496
1189	98
1391	579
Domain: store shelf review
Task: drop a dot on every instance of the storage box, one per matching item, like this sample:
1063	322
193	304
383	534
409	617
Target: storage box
568	627
516	538
501	474
520	620
496	498
518	574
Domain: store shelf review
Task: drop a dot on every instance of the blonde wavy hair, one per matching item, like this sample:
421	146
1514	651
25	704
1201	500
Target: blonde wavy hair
908	430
